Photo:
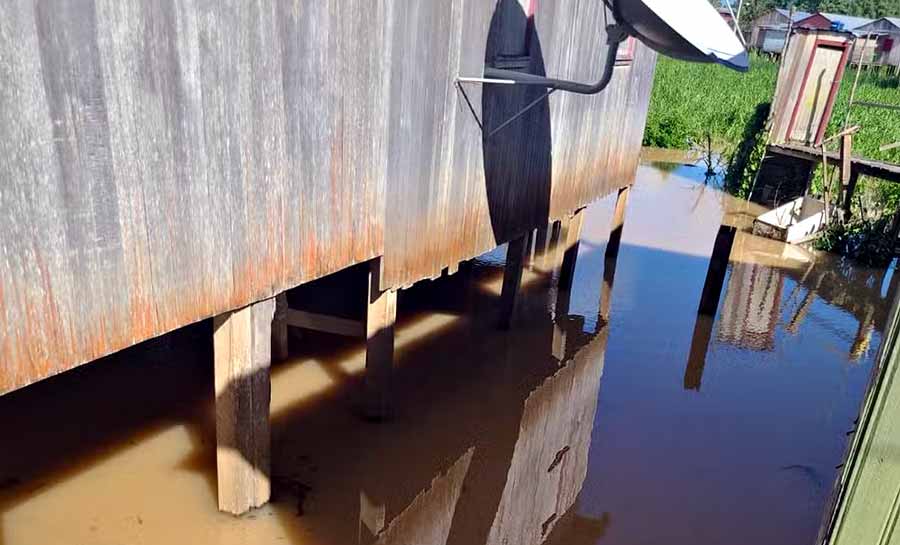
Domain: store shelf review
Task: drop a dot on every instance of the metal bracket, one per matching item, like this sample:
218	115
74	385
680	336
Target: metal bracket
499	76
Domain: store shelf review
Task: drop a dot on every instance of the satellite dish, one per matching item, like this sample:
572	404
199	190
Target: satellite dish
691	30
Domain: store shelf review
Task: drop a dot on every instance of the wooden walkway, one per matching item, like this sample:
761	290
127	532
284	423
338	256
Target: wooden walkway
858	165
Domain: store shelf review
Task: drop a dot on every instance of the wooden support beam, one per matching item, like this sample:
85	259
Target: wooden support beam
572	238
867	167
512	279
280	328
846	157
848	194
325	322
715	275
381	315
242	352
618	223
848	179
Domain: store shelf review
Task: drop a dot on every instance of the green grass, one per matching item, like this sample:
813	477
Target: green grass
878	126
690	101
692	104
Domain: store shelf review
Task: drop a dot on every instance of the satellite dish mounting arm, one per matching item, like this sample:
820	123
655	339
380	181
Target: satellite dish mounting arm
615	35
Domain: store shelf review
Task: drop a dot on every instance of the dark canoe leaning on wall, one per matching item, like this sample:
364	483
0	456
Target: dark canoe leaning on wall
165	163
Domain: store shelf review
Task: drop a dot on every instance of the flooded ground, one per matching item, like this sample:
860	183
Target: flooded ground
610	416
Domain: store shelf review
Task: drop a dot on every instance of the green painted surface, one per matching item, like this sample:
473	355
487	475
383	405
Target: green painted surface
868	503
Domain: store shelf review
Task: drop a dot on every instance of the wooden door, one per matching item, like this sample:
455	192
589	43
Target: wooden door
815	97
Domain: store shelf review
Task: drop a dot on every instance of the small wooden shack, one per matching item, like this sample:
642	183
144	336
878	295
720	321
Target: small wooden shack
165	163
808	81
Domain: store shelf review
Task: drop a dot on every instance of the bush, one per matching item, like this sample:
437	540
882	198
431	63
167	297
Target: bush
869	242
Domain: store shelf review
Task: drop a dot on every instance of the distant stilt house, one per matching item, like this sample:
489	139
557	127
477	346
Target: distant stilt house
769	30
875	40
882	42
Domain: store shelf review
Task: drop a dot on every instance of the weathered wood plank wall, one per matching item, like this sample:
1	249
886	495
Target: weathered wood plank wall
164	162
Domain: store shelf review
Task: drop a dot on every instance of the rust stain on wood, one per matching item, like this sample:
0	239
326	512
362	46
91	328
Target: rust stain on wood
228	153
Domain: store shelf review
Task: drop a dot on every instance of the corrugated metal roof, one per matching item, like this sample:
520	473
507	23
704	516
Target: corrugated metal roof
798	15
850	22
892	20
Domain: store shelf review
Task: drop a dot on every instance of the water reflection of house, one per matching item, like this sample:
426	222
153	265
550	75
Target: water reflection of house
501	458
500	493
752	306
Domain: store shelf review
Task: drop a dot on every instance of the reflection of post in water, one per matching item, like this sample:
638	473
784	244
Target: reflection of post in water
794	323
519	471
515	452
715	275
693	375
863	334
709	302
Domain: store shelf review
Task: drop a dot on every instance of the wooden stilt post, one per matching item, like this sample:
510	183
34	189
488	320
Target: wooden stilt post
618	223
542	238
381	315
512	279
280	328
555	253
715	275
242	353
609	274
848	194
849	177
572	236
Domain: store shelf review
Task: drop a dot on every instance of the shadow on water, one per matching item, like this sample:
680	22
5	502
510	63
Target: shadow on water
518	155
498	437
441	453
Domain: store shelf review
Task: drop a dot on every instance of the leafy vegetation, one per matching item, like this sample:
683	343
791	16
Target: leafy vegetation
866	241
751	9
707	106
692	101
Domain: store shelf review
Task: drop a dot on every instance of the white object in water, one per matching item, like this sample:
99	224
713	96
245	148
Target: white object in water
793	222
690	30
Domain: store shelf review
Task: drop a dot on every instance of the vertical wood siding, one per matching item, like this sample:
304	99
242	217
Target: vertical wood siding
164	162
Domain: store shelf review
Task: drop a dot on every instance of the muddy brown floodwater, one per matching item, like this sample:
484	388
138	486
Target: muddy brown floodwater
633	422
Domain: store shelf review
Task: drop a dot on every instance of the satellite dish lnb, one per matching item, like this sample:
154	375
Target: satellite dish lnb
690	30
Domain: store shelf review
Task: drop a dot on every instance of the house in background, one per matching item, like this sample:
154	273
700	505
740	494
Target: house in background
863	49
816	20
726	15
876	41
884	36
844	22
769	30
